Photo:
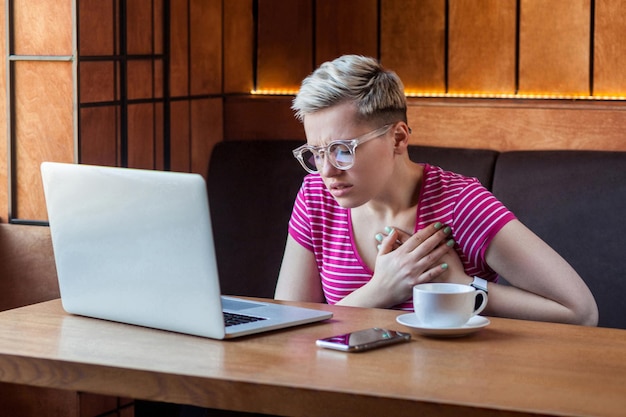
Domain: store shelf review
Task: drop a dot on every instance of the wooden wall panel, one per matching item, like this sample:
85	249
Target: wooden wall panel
412	42
44	128
206	119
238	46
260	117
334	37
505	125
497	124
195	129
482	49
98	82
205	33
96	31
25	401
285	43
554	54
99	132
140	79
42	27
609	77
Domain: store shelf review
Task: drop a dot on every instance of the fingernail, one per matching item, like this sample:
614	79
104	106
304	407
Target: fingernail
388	230
379	237
450	242
447	230
444	266
378	247
438	225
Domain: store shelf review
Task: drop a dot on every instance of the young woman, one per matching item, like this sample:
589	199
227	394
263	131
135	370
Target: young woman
368	223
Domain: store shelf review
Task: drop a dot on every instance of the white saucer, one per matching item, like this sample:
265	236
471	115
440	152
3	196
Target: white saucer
473	325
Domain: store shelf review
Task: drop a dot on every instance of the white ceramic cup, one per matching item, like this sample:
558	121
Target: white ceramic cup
443	305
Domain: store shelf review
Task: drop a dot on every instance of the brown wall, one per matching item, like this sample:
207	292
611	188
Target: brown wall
159	82
40	102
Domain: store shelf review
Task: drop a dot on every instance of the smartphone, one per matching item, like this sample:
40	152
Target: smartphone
362	340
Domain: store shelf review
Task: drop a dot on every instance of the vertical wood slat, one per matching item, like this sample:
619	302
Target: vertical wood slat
99	135
159	135
4	197
482	47
285	43
205	33
609	77
238	46
139	27
141	143
345	27
157	24
179	49
554	47
44	129
412	42
98	82
180	135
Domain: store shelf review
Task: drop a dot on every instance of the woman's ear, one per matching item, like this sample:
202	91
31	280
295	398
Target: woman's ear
401	134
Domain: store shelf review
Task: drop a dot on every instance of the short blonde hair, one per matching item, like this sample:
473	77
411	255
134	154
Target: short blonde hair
377	93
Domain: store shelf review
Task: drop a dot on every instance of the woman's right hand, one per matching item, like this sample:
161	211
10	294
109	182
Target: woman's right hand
403	261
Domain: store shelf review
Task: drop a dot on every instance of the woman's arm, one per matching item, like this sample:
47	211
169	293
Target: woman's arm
544	286
299	278
397	270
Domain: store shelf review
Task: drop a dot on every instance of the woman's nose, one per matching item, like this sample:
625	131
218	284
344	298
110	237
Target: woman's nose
328	169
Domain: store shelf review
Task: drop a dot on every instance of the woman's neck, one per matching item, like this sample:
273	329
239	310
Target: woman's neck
401	194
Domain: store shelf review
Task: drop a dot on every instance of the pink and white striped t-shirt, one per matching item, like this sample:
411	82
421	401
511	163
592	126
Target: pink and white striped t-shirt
320	225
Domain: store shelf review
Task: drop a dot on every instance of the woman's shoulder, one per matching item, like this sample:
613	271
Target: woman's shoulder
436	174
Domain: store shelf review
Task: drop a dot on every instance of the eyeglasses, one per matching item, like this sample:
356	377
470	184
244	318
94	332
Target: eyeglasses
340	152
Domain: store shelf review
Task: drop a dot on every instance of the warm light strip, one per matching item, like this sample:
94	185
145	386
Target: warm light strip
275	92
416	94
514	96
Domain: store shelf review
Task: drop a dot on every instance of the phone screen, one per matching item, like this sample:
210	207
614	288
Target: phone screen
363	339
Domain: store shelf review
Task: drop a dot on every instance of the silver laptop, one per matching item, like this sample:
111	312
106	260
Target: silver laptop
136	246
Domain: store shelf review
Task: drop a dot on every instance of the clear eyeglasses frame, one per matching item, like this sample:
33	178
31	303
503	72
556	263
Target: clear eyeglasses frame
340	152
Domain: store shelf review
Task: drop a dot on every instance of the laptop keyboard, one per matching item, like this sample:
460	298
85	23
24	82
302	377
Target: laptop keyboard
232	319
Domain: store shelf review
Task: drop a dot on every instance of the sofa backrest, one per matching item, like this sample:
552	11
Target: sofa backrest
252	186
478	163
576	202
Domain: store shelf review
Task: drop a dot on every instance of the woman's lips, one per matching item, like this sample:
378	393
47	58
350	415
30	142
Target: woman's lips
339	189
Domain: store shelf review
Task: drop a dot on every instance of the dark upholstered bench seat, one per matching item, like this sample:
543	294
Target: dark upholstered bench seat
575	200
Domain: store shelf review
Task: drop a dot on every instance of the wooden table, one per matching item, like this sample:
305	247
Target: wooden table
510	367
